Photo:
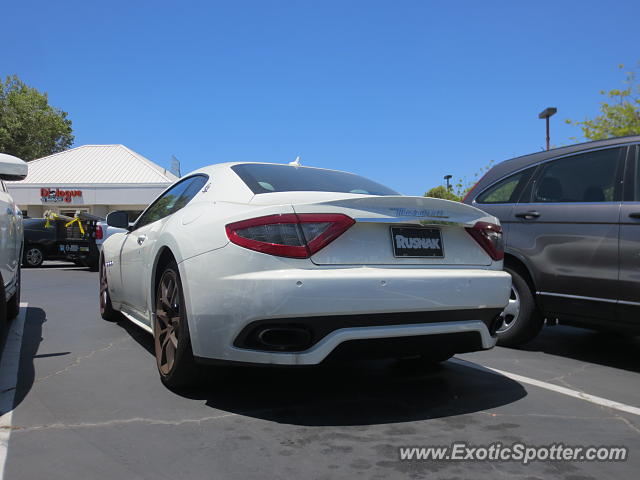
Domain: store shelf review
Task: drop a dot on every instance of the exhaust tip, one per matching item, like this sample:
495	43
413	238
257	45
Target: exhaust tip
284	338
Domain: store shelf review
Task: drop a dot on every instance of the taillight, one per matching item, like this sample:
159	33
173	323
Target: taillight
489	236
289	235
99	233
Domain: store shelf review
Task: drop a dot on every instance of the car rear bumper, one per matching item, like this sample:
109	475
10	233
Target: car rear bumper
221	306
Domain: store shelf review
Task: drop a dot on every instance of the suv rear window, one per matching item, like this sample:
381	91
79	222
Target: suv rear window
506	190
263	178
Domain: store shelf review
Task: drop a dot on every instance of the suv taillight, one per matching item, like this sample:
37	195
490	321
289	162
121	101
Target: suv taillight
99	233
489	236
289	235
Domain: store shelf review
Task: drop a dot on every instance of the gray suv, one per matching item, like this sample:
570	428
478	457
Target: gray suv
571	222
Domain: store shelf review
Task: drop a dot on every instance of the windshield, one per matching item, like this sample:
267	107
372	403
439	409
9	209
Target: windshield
263	178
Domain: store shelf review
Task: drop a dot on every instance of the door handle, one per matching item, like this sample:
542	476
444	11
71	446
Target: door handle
634	214
528	215
141	239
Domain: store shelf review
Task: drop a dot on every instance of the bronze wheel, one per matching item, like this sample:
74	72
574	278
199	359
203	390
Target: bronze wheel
106	310
172	344
168	319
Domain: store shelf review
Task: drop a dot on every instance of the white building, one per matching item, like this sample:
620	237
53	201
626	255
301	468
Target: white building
97	179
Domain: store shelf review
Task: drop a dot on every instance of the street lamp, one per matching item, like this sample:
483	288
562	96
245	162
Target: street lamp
546	114
447	178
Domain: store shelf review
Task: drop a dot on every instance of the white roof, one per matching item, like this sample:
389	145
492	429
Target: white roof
97	164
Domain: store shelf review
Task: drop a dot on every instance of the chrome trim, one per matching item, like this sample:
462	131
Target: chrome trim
137	322
578	297
626	302
424	221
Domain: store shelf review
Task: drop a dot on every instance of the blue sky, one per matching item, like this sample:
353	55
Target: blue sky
403	92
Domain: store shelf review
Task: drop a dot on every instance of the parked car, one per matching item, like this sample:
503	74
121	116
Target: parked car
282	264
52	240
11	169
571	221
104	231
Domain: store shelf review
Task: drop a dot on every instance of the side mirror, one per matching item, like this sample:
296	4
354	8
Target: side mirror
119	219
12	168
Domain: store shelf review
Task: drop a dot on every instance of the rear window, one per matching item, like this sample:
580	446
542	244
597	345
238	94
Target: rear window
506	190
261	178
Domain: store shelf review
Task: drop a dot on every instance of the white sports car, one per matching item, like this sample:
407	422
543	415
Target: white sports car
283	264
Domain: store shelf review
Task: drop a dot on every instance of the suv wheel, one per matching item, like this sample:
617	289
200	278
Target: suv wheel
33	257
521	320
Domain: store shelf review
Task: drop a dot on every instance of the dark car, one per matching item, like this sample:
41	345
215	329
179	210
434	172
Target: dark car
53	240
571	222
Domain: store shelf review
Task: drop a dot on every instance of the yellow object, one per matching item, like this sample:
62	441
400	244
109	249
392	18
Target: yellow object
68	224
49	215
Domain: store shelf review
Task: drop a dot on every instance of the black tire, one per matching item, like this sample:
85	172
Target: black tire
172	344
4	323
33	256
13	305
523	323
106	309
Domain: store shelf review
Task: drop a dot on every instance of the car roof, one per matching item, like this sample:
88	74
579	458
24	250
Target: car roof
512	165
228	165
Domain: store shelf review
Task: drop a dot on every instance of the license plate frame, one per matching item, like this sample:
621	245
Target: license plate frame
413	244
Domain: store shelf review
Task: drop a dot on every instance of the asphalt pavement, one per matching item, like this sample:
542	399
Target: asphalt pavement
89	405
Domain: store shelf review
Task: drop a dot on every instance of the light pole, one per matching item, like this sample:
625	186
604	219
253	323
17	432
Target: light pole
447	178
546	114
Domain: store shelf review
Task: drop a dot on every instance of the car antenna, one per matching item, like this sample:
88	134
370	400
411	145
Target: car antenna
296	162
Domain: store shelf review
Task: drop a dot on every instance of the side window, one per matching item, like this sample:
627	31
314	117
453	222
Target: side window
588	177
173	200
164	204
191	191
506	190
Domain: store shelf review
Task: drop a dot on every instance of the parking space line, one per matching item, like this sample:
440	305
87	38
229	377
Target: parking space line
554	388
9	366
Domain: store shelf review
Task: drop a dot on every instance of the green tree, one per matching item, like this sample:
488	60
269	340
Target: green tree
441	192
619	116
457	191
29	127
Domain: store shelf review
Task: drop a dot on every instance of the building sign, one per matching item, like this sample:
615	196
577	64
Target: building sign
56	195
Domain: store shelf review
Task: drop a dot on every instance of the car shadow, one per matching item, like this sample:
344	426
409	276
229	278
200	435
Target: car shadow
357	393
31	338
57	265
607	349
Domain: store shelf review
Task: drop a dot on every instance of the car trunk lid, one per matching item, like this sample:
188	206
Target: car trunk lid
393	230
